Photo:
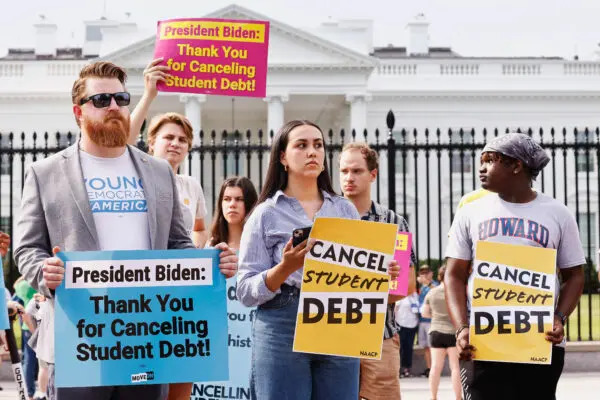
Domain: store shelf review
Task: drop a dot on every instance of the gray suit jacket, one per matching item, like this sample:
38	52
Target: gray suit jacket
55	211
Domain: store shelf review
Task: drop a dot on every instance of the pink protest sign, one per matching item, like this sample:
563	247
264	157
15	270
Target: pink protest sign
402	257
214	56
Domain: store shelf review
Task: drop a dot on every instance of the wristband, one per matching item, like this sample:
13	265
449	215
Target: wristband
459	330
563	318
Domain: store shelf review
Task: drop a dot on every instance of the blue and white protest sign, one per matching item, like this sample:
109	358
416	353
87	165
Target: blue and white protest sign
3	310
239	340
140	317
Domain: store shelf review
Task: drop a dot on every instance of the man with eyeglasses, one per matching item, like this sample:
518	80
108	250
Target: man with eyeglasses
99	194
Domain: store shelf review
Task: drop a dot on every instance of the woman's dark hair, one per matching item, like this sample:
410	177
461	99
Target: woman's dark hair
219	229
277	177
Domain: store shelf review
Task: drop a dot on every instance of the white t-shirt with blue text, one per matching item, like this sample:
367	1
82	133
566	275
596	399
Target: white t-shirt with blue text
118	202
542	222
191	196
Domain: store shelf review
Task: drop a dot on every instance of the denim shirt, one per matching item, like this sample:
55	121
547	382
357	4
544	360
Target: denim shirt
265	234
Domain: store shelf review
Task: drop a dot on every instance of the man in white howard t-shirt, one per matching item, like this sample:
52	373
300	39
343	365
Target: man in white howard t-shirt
99	194
512	213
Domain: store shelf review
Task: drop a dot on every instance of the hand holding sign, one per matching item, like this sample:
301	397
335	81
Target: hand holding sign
54	270
153	74
228	261
557	334
465	350
393	269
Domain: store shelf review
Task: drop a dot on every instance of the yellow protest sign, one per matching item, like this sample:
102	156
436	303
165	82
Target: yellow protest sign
345	286
512	302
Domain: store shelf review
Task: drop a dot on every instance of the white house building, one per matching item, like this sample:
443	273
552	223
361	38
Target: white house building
333	75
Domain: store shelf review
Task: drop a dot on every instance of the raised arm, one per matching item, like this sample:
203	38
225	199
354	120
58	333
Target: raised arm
153	74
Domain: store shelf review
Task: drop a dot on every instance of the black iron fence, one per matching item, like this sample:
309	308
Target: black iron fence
423	175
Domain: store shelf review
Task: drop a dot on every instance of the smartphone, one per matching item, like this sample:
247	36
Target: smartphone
299	235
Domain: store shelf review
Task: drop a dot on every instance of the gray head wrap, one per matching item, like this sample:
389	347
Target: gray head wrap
521	147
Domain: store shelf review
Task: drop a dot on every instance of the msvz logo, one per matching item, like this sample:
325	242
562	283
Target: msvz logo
142	377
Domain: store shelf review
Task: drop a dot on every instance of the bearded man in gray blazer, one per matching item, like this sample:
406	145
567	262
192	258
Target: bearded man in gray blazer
99	194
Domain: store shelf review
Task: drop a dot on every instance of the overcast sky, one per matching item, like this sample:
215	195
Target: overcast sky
471	27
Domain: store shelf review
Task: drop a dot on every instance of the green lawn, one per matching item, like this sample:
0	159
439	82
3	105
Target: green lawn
572	326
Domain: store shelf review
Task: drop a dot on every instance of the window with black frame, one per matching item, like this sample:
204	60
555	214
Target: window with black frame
588	242
4	156
5	225
460	138
231	154
586	159
403	167
62	140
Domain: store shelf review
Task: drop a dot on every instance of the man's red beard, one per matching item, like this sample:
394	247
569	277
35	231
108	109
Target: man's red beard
112	132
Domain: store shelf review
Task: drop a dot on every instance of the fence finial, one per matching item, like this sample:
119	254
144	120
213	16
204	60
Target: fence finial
391	160
390	120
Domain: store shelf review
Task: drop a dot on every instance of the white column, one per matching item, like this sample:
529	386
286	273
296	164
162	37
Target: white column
275	113
358	114
193	112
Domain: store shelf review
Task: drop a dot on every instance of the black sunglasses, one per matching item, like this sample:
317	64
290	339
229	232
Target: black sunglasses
102	100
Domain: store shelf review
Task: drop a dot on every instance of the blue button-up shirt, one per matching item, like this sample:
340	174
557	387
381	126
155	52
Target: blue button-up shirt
265	234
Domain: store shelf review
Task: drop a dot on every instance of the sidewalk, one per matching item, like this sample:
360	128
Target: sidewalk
572	386
9	390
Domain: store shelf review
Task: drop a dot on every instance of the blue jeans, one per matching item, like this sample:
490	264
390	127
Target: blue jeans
280	374
30	363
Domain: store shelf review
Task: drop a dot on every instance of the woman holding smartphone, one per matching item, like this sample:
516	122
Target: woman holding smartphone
297	189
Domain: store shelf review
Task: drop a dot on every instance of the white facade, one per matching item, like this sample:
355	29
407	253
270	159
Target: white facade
336	78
